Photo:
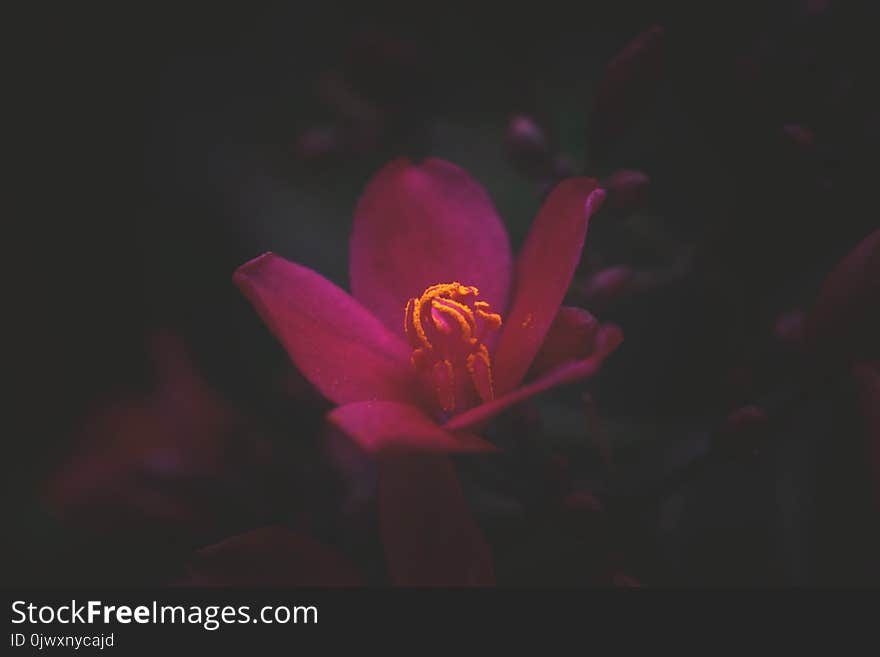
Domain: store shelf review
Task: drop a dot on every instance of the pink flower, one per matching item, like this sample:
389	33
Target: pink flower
440	330
157	466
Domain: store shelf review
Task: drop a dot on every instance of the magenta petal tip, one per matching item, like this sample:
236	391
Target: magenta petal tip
595	201
244	269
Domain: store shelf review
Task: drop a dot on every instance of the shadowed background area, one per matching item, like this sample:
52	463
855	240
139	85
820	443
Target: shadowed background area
162	417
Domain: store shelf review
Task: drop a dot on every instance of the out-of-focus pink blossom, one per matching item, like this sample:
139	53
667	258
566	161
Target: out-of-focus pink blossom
844	323
155	466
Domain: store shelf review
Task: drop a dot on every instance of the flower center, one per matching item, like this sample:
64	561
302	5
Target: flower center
446	328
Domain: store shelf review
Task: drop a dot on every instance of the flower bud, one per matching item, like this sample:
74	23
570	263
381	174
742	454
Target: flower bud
527	145
627	189
608	285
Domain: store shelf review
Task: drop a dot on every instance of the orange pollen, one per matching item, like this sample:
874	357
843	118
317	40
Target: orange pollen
446	328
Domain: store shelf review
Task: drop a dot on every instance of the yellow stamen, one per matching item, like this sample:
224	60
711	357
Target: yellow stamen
453	313
439	351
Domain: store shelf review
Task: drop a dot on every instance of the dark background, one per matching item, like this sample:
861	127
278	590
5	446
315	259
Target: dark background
160	152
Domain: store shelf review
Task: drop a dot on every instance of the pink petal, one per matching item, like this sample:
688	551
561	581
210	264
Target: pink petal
271	557
336	343
572	336
608	340
544	270
419	225
390	426
845	320
156	464
429	535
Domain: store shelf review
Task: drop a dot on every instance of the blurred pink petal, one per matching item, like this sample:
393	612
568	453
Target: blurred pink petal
526	135
544	270
337	344
274	557
391	426
150	466
845	320
429	535
419	225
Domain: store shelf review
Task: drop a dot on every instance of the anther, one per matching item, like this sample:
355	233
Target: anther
446	328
